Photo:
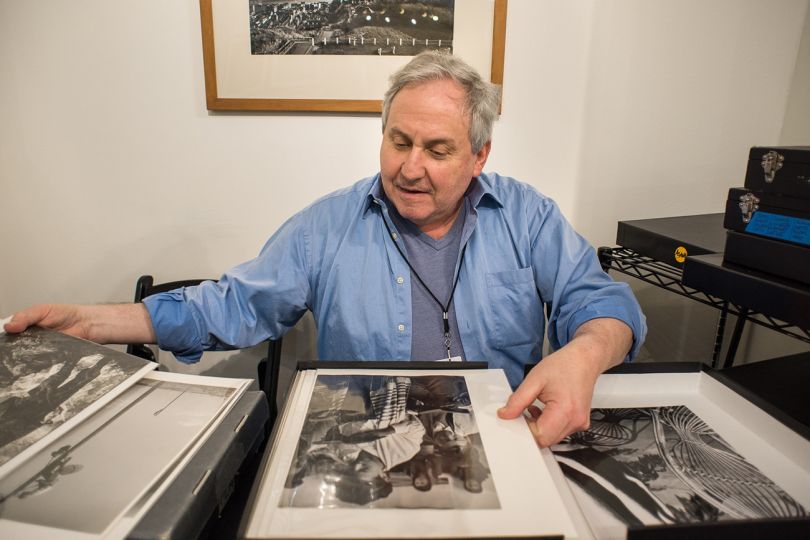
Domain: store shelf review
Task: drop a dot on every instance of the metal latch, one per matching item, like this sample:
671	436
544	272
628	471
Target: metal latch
772	162
749	203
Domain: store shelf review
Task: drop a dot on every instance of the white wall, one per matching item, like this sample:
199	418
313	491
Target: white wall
110	165
796	129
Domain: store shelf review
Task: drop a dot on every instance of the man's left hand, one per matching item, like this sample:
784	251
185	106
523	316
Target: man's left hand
564	381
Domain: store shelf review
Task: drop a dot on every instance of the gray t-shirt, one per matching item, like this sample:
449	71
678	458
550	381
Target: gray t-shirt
435	262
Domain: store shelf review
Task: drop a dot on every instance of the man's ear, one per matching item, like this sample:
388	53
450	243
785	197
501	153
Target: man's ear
481	158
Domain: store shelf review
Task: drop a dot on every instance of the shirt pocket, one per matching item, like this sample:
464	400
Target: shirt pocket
515	309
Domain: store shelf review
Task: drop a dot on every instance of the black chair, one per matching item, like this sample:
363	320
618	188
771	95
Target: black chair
267	369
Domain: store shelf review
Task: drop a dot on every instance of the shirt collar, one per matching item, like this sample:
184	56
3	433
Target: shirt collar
480	187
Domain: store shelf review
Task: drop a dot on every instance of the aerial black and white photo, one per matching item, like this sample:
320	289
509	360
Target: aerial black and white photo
378	441
665	465
86	479
47	378
350	27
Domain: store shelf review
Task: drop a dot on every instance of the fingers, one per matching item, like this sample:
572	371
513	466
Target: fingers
25	318
53	316
565	392
523	396
557	422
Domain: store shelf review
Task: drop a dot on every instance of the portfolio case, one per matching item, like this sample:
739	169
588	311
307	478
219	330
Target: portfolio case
780	259
779	170
202	490
768	233
781	218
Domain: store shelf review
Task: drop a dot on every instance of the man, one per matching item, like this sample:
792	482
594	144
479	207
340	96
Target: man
429	259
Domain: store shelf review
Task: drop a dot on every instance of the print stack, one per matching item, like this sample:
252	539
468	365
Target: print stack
382	453
90	437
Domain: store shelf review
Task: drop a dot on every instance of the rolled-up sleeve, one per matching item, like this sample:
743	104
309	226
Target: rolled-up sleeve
258	300
574	286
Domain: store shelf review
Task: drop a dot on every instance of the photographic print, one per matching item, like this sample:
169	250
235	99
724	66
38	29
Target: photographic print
665	465
381	441
336	55
350	27
48	379
84	481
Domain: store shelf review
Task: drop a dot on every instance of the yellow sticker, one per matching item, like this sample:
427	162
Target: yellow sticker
680	254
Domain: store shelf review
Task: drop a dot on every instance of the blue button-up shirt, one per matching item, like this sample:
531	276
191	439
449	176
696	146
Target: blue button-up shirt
523	261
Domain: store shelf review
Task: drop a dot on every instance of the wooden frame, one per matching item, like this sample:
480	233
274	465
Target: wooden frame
261	95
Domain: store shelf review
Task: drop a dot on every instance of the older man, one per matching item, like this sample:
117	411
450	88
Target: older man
430	259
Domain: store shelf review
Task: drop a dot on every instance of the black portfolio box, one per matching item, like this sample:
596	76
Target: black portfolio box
784	171
199	494
759	213
783	299
766	255
769	233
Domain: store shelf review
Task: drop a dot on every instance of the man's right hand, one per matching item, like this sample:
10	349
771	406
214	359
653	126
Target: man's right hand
62	317
105	323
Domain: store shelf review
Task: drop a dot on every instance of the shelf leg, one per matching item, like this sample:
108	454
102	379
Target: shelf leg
735	337
718	338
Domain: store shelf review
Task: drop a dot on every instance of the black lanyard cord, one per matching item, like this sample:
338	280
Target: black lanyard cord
445	308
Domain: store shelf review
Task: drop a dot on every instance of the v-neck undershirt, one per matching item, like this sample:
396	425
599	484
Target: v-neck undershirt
435	261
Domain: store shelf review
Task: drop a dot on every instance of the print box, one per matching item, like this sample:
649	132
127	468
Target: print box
732	468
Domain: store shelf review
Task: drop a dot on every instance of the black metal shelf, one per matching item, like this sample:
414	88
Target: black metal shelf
665	276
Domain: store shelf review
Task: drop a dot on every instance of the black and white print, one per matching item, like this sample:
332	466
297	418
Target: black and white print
86	479
665	465
350	27
48	378
377	441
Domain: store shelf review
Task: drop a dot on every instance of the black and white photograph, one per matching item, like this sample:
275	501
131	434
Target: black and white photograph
350	27
665	465
48	378
380	441
113	458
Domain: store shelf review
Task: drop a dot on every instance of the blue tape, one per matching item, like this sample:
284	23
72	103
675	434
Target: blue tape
790	229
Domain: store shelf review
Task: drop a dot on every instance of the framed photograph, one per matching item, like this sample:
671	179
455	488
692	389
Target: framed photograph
336	55
682	451
406	453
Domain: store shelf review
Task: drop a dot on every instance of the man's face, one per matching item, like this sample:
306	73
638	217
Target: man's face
426	159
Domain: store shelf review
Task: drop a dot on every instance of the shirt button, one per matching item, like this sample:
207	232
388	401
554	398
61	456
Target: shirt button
394	235
401	327
400	280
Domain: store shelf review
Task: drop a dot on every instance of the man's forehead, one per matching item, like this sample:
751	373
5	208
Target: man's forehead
438	88
437	106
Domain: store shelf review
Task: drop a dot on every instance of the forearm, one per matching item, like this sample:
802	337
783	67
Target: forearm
603	343
118	323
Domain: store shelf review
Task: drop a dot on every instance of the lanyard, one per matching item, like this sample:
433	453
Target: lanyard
445	307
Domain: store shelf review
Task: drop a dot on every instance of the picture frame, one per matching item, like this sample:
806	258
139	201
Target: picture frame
236	80
299	490
706	429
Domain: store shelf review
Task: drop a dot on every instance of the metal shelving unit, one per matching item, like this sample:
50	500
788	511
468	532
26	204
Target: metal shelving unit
668	277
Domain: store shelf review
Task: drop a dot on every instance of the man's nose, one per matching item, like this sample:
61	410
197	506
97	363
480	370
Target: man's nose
413	168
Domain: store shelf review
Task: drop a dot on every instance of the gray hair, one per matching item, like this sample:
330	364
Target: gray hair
483	98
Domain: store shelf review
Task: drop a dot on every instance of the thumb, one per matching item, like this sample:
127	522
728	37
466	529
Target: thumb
522	397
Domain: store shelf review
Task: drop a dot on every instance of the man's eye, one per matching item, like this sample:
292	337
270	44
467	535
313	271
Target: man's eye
437	153
400	145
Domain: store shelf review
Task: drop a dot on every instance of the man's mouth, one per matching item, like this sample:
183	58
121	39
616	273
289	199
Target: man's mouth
411	191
